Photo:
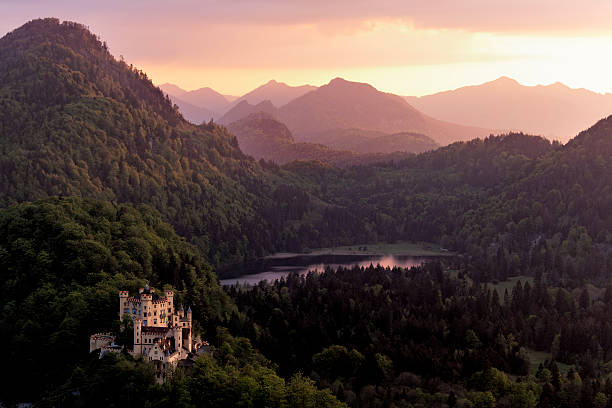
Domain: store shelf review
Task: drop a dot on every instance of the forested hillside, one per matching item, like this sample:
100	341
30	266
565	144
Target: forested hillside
76	122
63	262
515	200
101	129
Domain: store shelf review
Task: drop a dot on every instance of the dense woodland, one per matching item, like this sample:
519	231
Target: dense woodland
395	337
104	186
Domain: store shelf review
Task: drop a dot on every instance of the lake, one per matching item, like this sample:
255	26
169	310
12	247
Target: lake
272	268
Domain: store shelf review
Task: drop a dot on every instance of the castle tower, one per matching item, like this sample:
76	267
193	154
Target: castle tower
170	298
188	339
146	299
123	303
137	335
177	331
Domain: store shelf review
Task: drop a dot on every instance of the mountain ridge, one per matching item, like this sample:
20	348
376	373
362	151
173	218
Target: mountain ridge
262	136
555	111
278	93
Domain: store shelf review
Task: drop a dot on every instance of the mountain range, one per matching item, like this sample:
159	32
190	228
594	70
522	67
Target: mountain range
212	104
278	93
343	105
336	107
555	111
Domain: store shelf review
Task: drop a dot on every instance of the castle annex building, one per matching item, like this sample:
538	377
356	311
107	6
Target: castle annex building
162	335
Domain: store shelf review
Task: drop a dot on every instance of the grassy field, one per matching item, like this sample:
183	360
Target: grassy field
500	287
398	248
538	357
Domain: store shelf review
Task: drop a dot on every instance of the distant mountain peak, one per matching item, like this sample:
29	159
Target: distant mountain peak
173	90
279	93
559	85
504	80
341	83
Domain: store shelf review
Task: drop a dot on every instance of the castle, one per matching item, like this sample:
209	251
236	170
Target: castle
162	335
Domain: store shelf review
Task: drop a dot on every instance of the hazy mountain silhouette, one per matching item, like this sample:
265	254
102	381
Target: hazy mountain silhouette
243	109
172	90
343	104
278	93
206	98
193	113
554	111
263	137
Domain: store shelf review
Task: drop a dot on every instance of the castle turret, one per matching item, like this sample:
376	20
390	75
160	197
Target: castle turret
170	298
177	331
188	339
123	303
137	335
146	299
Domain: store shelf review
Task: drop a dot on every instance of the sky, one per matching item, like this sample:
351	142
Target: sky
408	47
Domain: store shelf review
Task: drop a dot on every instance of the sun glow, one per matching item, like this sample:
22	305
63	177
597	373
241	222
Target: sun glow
396	57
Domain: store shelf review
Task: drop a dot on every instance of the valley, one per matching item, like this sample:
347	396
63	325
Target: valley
455	265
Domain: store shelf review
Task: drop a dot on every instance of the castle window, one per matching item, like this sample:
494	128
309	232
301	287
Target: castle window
144	322
154	321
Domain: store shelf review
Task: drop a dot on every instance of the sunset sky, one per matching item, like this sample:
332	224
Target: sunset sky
401	46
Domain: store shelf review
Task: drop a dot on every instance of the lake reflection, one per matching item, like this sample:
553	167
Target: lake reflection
304	264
